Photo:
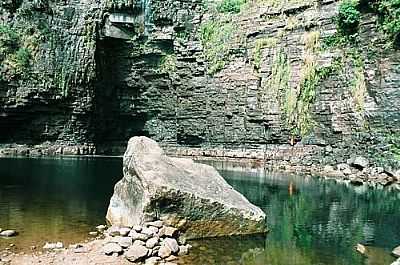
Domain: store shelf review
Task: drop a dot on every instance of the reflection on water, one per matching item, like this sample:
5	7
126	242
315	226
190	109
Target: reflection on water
54	199
311	221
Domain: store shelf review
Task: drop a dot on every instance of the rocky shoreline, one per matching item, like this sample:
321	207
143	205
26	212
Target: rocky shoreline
150	244
366	173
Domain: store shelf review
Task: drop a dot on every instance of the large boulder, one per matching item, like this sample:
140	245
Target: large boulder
190	196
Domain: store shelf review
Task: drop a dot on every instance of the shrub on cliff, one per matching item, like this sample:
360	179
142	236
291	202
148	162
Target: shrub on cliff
349	16
230	6
389	11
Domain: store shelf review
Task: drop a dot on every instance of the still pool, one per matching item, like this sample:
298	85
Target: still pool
311	221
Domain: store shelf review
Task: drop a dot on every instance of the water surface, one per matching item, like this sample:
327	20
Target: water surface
312	221
54	199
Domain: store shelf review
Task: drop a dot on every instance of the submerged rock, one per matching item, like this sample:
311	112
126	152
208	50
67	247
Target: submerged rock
192	197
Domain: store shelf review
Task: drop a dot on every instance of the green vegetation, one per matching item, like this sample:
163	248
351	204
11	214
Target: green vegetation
281	72
230	6
349	17
389	11
15	57
358	88
394	143
168	63
216	39
300	99
260	44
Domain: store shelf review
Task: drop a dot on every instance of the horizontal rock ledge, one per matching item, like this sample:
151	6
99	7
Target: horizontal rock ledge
190	196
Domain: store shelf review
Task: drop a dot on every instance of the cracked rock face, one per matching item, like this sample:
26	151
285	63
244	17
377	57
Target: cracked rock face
190	196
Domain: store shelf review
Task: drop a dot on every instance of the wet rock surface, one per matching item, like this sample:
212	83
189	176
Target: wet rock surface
157	185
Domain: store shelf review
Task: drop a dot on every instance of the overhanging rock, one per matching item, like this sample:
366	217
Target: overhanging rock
190	196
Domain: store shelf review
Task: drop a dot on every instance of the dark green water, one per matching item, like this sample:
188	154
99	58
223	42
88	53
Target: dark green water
312	221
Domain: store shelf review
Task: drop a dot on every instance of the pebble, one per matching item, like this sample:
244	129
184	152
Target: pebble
124	231
113	231
8	233
396	252
110	248
137	228
57	245
171	244
136	252
151	230
164	252
157	224
138	236
152	242
101	227
93	233
152	261
171	258
124	242
183	250
168	231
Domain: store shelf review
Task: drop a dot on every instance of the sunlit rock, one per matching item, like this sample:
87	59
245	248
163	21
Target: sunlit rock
190	196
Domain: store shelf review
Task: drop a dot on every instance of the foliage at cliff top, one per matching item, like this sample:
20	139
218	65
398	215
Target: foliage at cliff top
387	11
349	16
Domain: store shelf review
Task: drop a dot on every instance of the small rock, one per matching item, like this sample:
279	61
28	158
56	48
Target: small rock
164	252
396	252
137	228
397	262
101	227
80	249
138	236
152	242
157	224
136	252
124	231
93	233
110	248
168	231
113	231
347	171
8	233
152	261
139	243
361	249
171	258
183	250
124	242
57	245
359	162
171	244
328	168
151	230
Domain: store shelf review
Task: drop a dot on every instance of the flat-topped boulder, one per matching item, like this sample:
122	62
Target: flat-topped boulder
190	196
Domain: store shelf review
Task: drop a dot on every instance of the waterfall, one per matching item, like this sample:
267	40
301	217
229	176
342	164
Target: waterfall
146	7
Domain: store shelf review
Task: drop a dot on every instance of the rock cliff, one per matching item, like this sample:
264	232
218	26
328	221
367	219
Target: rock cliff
268	81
